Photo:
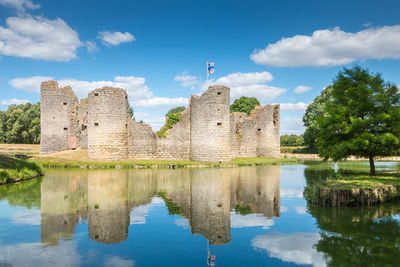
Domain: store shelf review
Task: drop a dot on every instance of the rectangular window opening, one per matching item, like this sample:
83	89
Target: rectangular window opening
65	103
219	123
96	94
259	129
96	124
65	129
219	93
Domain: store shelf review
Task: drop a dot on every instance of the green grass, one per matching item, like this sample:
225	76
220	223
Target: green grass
363	181
14	169
67	163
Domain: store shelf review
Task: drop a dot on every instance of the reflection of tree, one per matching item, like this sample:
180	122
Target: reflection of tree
25	193
359	235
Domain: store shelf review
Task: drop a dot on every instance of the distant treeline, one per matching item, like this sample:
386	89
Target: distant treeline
292	140
20	124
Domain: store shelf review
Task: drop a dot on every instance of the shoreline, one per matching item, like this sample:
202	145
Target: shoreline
21	180
50	162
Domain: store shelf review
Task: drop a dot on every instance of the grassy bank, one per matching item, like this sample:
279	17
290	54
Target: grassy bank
52	162
14	169
355	189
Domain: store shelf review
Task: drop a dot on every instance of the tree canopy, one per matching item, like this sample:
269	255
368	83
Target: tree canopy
175	110
20	124
361	118
292	140
244	104
313	110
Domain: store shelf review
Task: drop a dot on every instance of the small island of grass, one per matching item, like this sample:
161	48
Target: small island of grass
351	190
13	169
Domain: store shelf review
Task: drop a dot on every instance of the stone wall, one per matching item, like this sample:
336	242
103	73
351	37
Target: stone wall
268	136
58	117
142	141
176	145
210	125
108	124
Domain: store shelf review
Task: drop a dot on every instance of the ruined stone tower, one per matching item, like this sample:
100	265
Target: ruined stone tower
210	125
268	136
108	124
58	117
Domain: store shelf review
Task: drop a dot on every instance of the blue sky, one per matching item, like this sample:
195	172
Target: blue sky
158	50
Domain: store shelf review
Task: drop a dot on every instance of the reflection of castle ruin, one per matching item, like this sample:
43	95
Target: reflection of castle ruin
105	198
207	130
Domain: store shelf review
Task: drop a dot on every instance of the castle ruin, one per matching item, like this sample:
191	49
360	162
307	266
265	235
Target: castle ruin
207	130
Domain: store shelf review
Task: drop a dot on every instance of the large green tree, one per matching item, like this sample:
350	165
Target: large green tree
362	118
244	104
20	124
310	118
292	140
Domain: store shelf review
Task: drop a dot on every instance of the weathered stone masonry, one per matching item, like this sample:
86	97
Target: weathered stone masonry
207	130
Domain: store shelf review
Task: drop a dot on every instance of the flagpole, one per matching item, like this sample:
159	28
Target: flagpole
207	75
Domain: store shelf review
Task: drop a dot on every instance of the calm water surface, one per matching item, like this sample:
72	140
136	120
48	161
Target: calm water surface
248	216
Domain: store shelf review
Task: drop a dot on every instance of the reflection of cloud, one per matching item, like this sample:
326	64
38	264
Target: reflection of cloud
250	220
295	247
300	210
182	222
138	214
115	261
292	192
31	217
35	254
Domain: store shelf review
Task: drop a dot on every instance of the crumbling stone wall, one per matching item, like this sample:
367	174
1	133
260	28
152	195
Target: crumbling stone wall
108	124
210	125
207	130
243	136
268	136
83	123
142	141
176	145
57	117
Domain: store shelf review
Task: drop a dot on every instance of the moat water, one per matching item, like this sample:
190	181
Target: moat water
247	216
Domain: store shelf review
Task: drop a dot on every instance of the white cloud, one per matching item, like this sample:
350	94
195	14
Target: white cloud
301	89
187	80
283	209
39	38
31	217
292	125
250	84
161	102
116	261
156	122
296	247
36	254
138	92
331	47
293	107
115	38
239	78
91	47
250	220
19	5
30	84
14	101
